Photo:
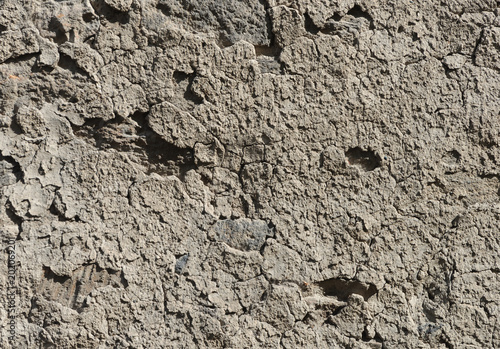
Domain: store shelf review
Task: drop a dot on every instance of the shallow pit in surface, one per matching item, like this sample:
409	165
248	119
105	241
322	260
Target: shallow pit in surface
365	159
342	288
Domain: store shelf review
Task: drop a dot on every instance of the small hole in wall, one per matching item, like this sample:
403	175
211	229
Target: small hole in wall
342	288
88	17
455	154
310	26
165	8
104	11
358	12
180	76
366	159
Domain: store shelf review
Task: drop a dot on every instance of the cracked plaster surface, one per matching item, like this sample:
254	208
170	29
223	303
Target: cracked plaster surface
251	174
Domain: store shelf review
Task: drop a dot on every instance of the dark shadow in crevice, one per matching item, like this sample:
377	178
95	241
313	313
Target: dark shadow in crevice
54	211
455	154
165	8
67	289
358	12
484	175
269	23
310	26
366	159
22	58
268	59
123	281
51	276
437	183
365	337
337	310
106	11
89	131
90	40
17	220
88	17
16	168
156	154
162	157
158	149
58	209
476	47
223	41
331	26
25	58
343	288
68	63
14	127
272	50
56	26
448	72
378	338
487	142
336	17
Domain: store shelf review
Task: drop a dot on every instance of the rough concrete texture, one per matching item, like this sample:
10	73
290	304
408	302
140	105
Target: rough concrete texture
251	174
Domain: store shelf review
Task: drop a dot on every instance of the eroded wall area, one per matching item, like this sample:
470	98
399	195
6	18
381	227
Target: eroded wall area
276	173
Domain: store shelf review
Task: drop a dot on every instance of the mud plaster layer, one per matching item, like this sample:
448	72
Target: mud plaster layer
254	174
